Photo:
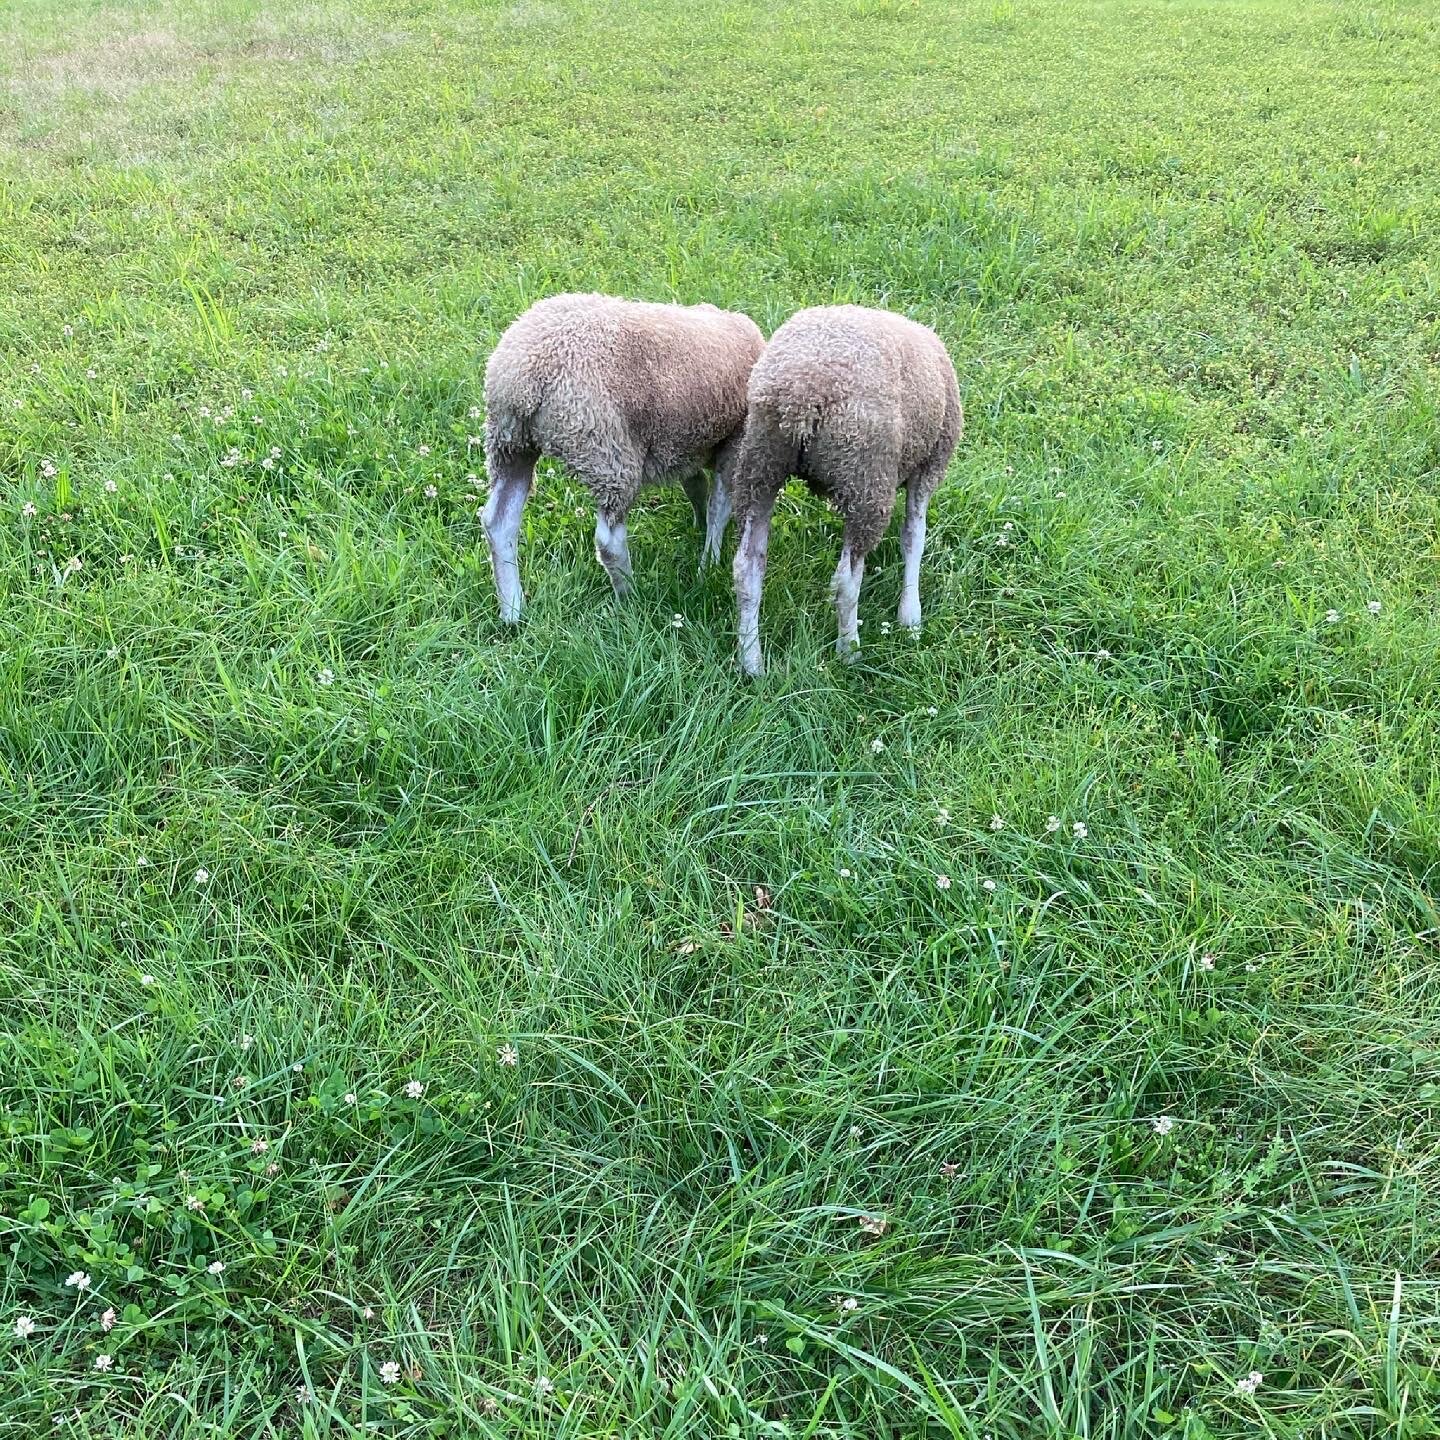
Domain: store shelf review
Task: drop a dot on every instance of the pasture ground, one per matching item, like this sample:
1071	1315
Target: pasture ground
1180	595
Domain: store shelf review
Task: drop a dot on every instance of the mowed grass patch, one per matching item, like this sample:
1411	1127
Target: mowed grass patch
421	1028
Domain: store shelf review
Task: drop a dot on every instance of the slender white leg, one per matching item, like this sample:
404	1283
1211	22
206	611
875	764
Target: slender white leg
612	550
510	477
716	519
749	570
846	589
912	544
694	487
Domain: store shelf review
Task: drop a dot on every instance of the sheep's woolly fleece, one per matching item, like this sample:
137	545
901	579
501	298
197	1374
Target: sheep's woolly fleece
624	392
857	402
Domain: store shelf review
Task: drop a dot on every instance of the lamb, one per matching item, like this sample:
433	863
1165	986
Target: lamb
626	394
857	403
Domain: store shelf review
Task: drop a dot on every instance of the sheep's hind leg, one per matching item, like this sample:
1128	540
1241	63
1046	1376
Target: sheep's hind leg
912	544
612	550
716	519
510	479
751	555
846	589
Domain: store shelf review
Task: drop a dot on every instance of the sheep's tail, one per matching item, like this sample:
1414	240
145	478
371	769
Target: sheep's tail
767	458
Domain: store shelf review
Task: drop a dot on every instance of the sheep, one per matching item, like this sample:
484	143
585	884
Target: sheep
857	403
625	393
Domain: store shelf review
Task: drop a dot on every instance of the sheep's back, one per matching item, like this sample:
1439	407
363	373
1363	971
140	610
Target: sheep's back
672	376
868	377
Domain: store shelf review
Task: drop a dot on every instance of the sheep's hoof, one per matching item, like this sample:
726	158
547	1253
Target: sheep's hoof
847	651
907	620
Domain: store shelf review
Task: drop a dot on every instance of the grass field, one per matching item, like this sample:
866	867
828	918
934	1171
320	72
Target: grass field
298	848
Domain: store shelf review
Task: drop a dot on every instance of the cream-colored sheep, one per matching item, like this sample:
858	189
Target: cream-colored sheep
857	403
626	394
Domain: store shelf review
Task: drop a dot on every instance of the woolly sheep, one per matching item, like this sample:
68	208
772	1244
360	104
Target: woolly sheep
856	403
626	394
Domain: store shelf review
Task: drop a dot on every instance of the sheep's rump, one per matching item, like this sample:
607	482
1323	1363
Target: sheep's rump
620	387
847	386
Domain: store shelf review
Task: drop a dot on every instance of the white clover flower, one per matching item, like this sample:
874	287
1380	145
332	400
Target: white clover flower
77	1280
368	1313
215	1267
414	1089
28	509
272	1169
987	885
1373	606
1080	830
111	487
389	1372
424	450
1249	1384
1332	617
202	876
147	980
942	882
848	1304
544	1385
474	412
677	622
103	1363
874	1224
844	872
298	1066
1162	1125
246	1041
996	823
350	1097
326	676
1207	962
194	1202
24	1327
259	1145
1052	824
107	1320
877	745
508	1055
942	817
931	710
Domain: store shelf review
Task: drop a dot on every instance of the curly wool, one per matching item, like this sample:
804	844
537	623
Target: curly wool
626	393
858	403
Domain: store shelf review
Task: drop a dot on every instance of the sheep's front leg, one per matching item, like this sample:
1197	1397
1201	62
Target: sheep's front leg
912	545
510	478
612	550
846	589
694	487
749	570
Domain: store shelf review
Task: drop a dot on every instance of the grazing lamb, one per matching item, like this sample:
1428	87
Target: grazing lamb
856	403
626	394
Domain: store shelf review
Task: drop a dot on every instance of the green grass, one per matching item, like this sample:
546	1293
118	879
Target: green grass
1186	259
